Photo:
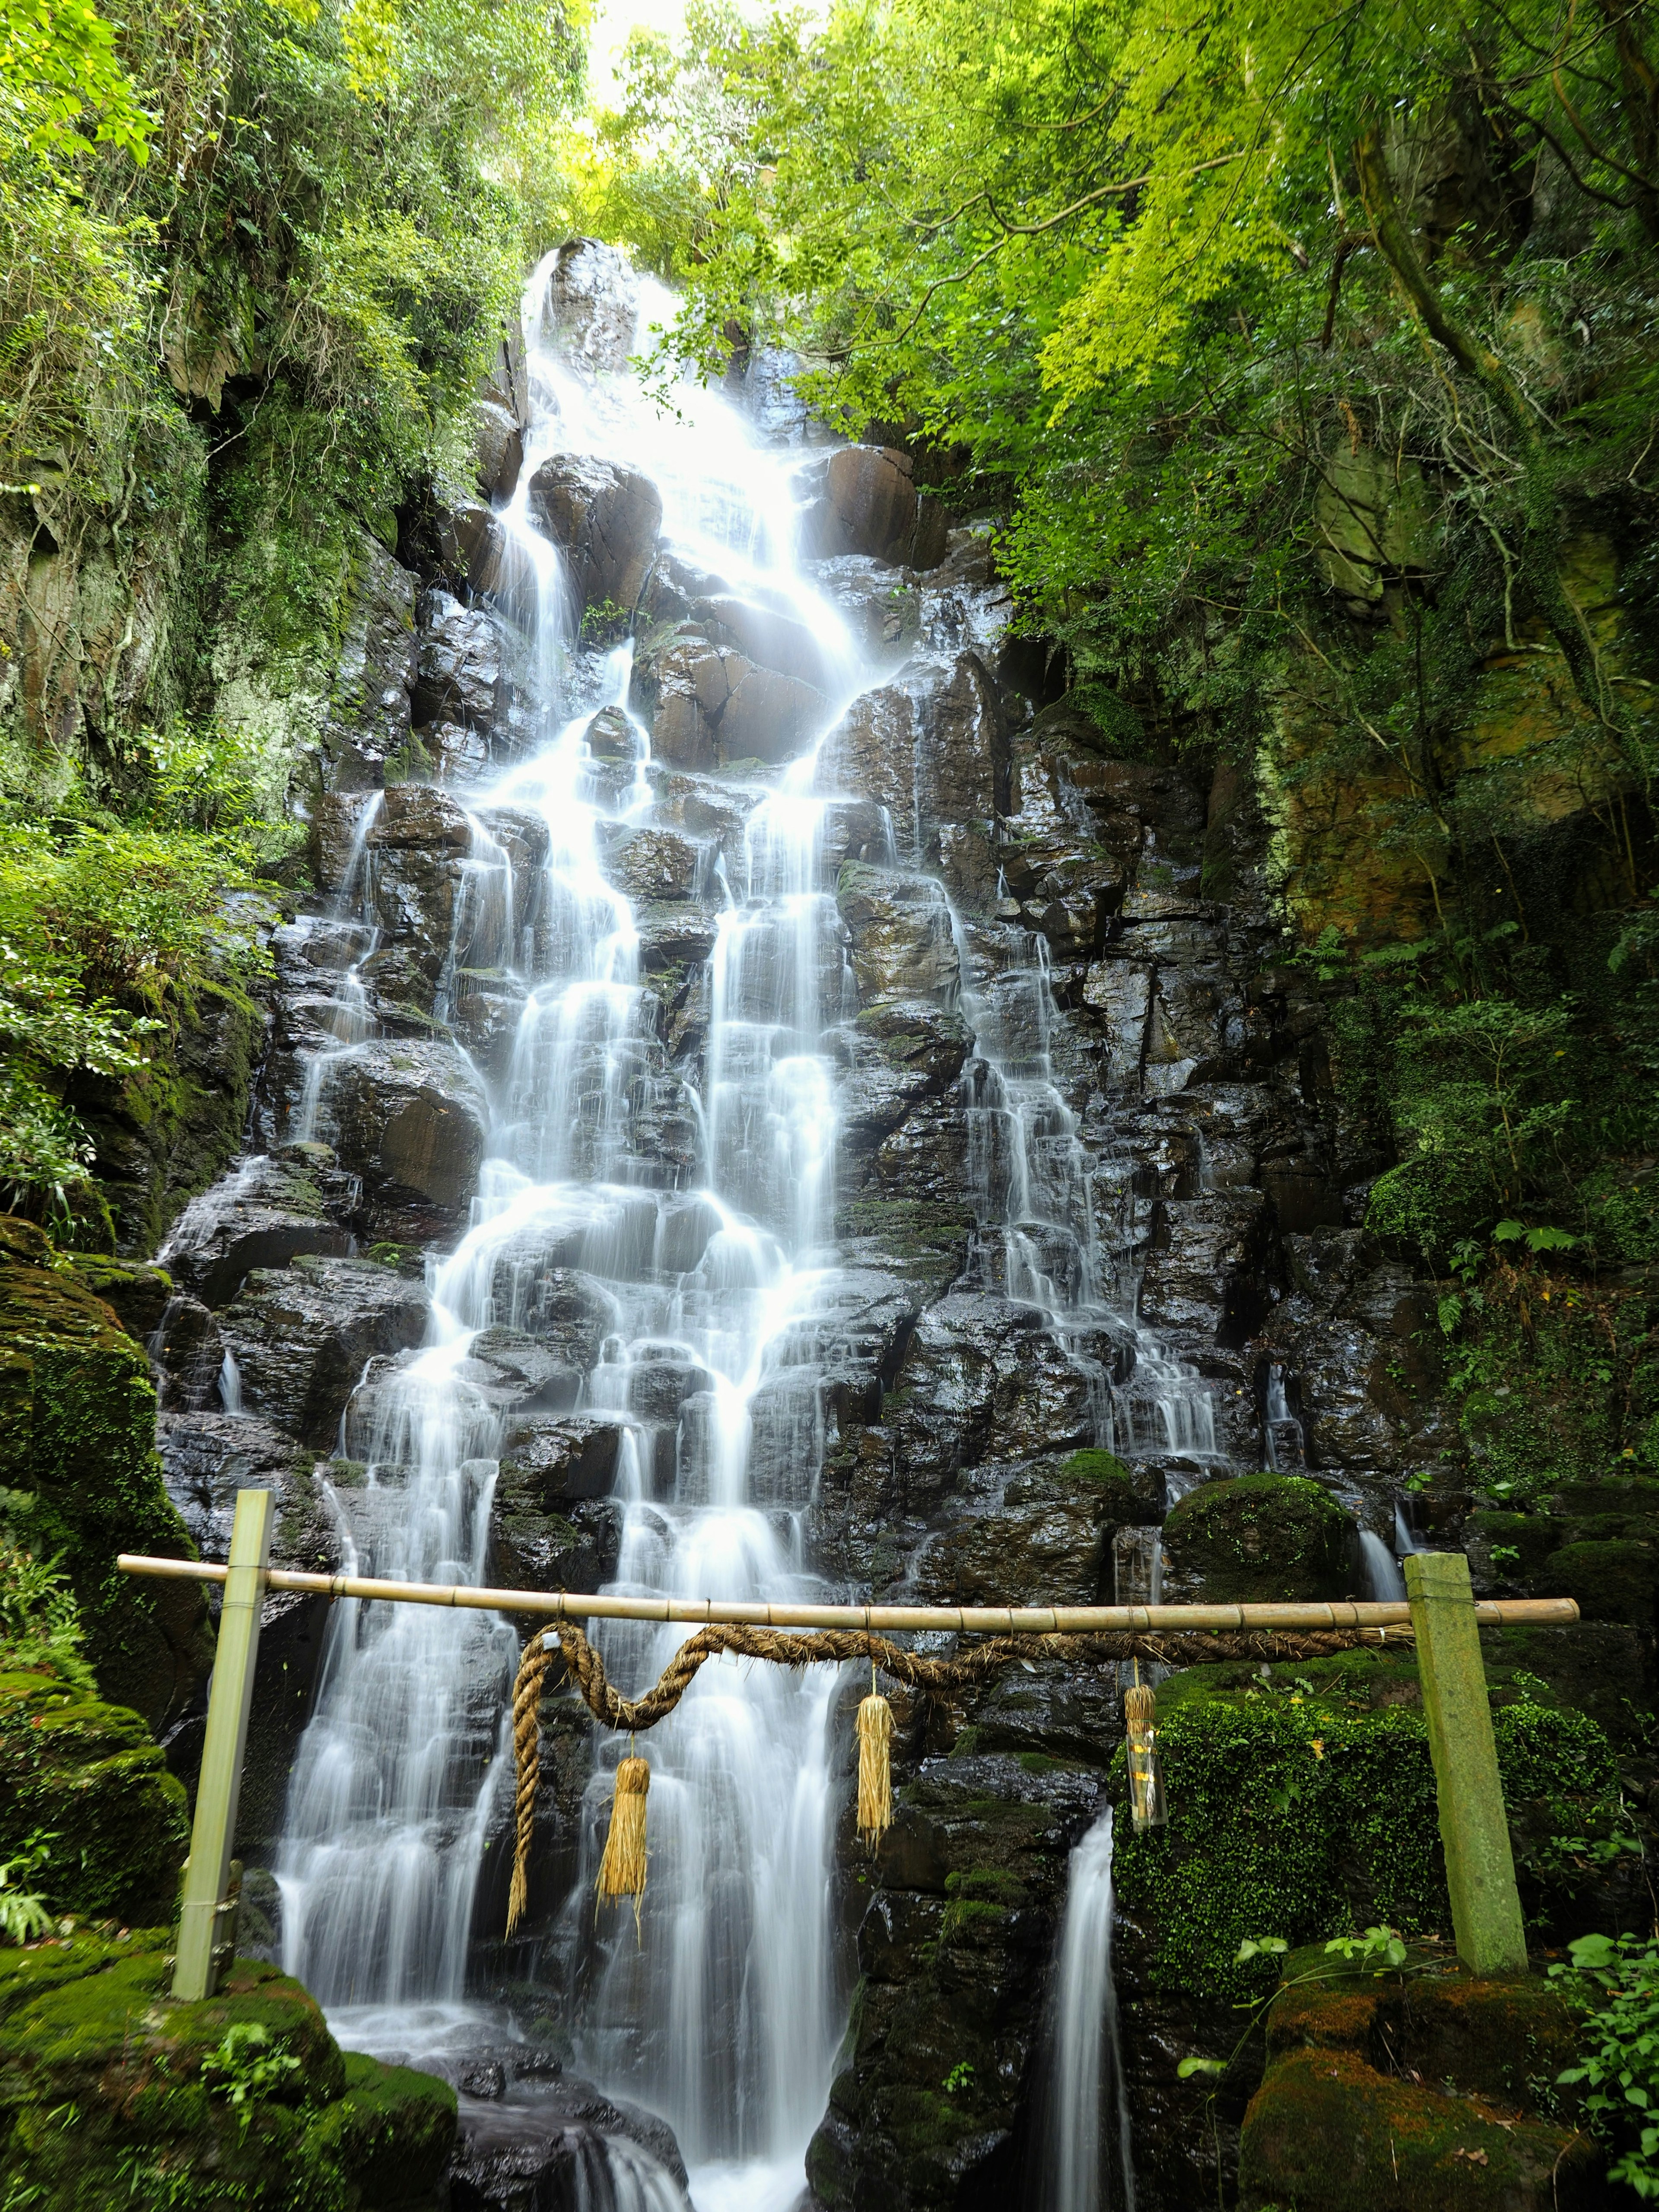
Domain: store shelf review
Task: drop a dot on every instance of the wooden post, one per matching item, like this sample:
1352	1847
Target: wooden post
207	1870
1473	1826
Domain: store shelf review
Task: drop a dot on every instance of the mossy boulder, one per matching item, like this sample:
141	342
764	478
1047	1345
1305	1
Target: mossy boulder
1421	2089
1125	1497
77	1452
93	1777
1299	1807
1259	1537
87	2028
1614	1579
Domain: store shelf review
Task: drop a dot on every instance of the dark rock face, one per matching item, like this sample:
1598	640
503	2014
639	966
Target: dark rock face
604	521
301	1335
410	1121
368	715
272	1209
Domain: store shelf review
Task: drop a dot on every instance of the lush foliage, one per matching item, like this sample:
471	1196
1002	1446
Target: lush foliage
40	1625
1619	1976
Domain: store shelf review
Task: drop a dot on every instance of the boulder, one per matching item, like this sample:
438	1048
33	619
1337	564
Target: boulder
136	1292
708	705
864	499
265	1212
519	1373
604	521
333	843
500	449
188	1354
555	1463
302	1335
1267	1537
90	2028
411	1121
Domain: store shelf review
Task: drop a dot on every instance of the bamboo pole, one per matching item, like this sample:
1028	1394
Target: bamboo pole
196	1968
970	1620
1475	1828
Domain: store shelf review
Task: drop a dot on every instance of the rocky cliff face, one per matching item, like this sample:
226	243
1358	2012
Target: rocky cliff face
1093	1189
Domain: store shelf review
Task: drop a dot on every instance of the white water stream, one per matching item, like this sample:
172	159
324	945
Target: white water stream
1087	2161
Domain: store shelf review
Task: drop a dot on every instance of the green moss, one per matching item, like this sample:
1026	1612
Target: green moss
1125	1498
1306	1815
88	2031
78	1449
1261	1536
91	1775
1612	1581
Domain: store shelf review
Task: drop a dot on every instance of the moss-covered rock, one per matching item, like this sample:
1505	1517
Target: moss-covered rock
1614	1579
1425	2089
88	2030
1259	1537
1125	1497
1300	1808
77	1450
93	1777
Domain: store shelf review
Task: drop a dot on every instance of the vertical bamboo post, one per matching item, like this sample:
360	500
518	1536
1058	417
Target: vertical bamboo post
208	1869
1473	1826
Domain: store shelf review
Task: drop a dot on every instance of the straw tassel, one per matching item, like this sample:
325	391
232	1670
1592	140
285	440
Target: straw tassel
875	1767
622	1870
1146	1774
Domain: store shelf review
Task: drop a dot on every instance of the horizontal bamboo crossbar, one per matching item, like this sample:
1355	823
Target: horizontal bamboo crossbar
967	1620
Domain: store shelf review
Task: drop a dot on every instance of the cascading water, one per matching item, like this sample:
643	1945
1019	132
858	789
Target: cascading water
724	2014
1086	2159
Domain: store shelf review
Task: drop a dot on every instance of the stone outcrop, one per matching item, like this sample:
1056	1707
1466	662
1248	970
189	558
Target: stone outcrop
604	521
864	499
88	2029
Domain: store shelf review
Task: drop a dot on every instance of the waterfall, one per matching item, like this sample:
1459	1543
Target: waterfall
724	2013
1086	2111
1384	1580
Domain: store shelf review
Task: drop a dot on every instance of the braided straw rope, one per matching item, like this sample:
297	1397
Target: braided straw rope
931	1677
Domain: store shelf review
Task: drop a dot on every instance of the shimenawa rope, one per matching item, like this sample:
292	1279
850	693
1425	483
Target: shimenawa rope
585	1669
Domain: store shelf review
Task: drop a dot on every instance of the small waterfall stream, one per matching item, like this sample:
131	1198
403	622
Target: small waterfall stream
1087	2155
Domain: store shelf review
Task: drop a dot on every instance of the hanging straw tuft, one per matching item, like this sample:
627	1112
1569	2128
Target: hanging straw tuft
622	1870
1146	1776
875	1767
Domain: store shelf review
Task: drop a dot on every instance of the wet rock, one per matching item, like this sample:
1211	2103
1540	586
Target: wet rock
575	1550
189	1356
1203	1273
332	843
864	499
593	303
459	675
499	448
570	1312
604	519
301	1336
486	1017
1268	1537
880	607
559	1462
902	944
984	1378
932	748
471	541
763	635
411	1121
954	1950
653	864
207	1457
547	2146
610	736
368	719
708	705
517	1373
265	1214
